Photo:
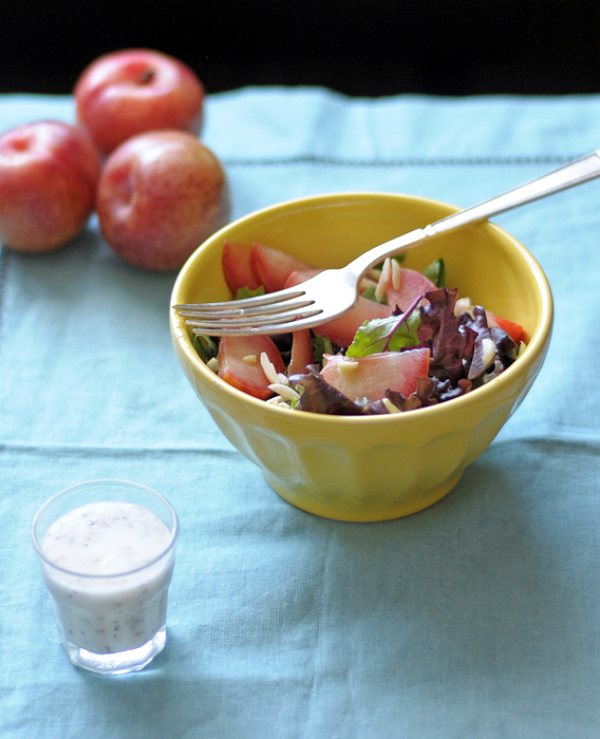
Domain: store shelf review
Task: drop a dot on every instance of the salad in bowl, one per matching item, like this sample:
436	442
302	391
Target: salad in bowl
319	412
409	342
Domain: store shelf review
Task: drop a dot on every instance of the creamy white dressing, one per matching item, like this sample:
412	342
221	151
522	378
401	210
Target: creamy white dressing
105	538
111	605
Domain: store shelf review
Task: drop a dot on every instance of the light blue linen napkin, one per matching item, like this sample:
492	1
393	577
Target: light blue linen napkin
479	617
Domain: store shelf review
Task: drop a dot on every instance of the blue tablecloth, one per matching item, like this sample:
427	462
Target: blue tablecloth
479	617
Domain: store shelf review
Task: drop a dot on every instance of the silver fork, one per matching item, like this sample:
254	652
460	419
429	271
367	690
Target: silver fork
334	291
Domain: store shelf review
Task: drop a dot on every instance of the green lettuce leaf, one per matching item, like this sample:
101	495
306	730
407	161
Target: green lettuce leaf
247	292
321	345
436	272
206	347
369	294
386	334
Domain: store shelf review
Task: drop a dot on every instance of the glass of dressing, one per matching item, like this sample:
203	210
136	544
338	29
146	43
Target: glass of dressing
106	549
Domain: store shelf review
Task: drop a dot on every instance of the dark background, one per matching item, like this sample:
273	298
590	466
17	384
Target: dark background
366	48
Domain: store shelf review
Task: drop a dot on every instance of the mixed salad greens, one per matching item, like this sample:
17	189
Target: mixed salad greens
411	342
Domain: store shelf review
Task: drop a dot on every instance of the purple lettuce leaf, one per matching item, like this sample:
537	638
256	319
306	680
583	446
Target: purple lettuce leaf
447	342
430	391
318	396
458	362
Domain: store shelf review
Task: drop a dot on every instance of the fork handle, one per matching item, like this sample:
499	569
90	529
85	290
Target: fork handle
574	173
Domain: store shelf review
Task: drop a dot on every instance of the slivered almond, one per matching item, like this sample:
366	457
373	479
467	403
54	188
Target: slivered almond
285	391
489	352
268	368
347	366
384	278
278	402
366	283
462	305
396	275
390	407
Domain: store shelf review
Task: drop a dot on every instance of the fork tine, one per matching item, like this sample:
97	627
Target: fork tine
240	313
274	313
254	302
204	326
285	325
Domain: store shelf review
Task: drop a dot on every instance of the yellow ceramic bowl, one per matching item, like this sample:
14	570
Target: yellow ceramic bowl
379	467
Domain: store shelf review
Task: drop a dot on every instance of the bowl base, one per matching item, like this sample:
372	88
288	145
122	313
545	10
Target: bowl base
344	508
